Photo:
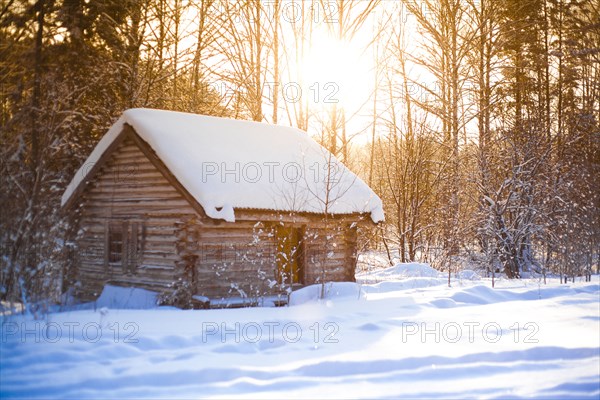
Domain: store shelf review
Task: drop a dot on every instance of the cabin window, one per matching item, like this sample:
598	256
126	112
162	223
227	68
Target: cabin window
115	244
123	245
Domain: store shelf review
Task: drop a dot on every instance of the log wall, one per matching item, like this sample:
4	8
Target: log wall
230	259
129	187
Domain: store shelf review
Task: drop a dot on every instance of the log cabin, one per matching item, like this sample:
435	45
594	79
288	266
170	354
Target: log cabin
205	209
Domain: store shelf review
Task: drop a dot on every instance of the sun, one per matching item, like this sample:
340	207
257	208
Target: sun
337	72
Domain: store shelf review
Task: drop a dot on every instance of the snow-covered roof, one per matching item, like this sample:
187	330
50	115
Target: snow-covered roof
226	164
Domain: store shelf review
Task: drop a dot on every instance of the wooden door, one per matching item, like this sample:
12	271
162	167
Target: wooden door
289	255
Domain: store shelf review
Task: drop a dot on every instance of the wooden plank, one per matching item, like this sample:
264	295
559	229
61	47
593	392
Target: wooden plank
140	176
131	188
141	208
133	212
152	229
106	199
159	260
124	245
133	247
245	214
141	182
106	245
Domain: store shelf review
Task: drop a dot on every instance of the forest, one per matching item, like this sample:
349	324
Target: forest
477	122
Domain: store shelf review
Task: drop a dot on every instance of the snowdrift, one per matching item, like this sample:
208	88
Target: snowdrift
328	291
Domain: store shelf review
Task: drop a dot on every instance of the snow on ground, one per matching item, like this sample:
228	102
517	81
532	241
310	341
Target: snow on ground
410	337
127	298
399	271
327	291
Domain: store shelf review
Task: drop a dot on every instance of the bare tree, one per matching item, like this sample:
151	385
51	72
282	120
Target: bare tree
447	40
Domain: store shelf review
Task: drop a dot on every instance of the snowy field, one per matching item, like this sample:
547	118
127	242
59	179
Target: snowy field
407	335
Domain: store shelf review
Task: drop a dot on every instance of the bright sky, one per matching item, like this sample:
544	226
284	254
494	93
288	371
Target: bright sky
351	66
342	71
334	71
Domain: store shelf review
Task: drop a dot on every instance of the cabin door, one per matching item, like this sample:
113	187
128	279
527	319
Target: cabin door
289	255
